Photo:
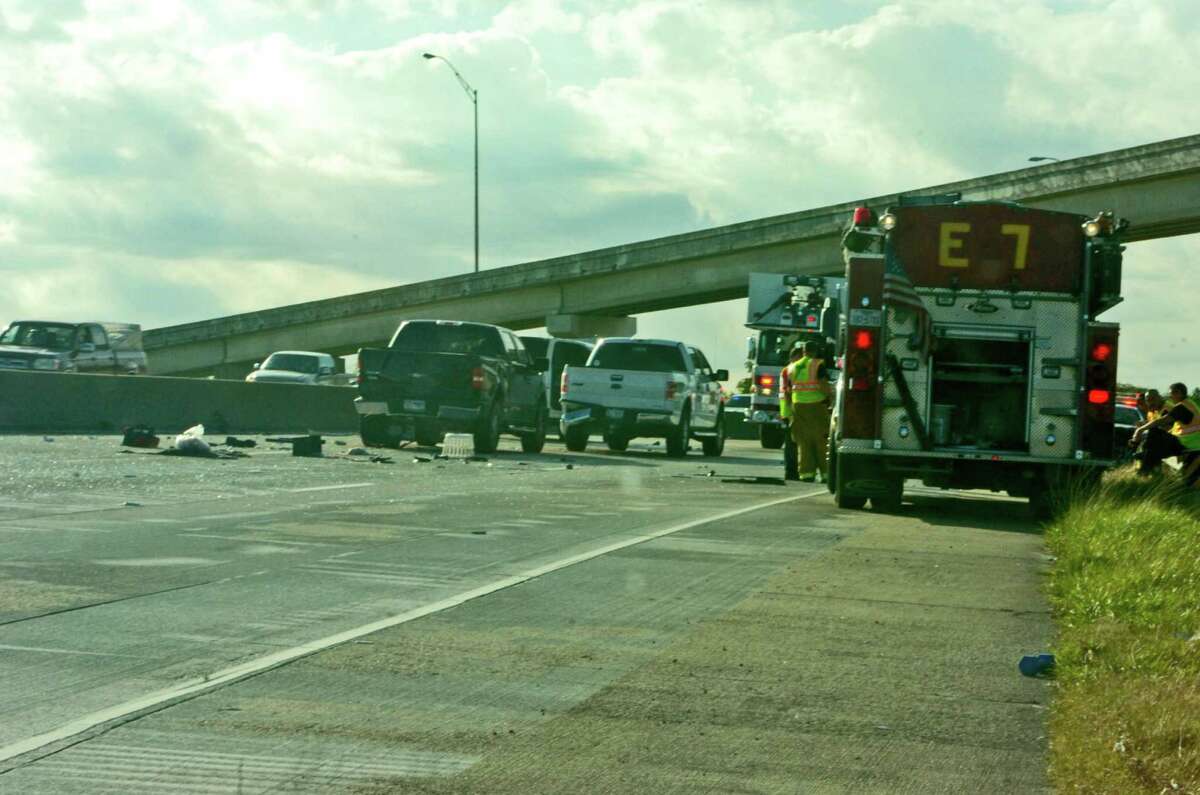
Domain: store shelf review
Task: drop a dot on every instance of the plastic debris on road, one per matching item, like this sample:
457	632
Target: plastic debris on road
1036	664
458	445
307	446
191	442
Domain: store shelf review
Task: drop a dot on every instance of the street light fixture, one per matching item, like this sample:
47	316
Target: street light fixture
1042	158
472	95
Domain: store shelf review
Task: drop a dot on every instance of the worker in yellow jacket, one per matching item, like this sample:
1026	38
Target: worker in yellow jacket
1182	440
804	398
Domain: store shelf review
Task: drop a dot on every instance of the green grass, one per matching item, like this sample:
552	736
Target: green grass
1126	594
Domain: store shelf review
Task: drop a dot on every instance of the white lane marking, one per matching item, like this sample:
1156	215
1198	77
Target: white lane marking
331	488
44	650
226	676
258	540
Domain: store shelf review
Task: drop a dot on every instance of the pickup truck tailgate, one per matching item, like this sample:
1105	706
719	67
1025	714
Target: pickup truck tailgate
417	382
625	389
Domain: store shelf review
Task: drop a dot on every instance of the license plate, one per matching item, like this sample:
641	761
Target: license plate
576	415
616	414
414	405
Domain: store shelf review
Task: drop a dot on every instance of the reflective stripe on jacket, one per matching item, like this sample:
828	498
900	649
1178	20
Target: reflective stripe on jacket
800	383
1189	435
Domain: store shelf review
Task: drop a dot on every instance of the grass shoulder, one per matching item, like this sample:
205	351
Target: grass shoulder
1126	595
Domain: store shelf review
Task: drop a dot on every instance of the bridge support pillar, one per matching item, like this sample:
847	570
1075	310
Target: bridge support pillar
590	326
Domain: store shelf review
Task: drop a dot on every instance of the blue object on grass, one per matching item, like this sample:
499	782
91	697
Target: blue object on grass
1036	664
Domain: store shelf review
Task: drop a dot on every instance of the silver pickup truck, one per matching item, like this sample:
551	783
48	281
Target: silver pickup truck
637	388
73	347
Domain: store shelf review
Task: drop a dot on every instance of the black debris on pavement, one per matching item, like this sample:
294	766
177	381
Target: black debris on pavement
233	441
140	436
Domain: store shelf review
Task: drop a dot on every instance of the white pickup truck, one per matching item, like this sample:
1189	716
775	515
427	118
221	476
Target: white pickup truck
632	387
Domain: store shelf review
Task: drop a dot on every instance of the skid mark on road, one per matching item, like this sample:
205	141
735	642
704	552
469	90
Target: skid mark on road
68	734
334	487
147	768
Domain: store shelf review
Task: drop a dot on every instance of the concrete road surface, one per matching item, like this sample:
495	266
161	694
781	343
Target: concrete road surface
531	623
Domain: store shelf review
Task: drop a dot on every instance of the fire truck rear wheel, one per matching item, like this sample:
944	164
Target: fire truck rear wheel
891	500
770	436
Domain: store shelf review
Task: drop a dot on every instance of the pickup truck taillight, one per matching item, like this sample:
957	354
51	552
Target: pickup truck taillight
563	383
478	378
672	387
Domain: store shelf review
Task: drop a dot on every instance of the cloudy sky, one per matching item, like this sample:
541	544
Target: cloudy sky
169	161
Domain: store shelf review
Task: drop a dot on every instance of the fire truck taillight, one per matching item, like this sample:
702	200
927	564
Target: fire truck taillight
1099	392
863	339
1098	396
1101	351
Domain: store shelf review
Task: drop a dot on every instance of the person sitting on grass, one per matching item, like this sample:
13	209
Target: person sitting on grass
1183	439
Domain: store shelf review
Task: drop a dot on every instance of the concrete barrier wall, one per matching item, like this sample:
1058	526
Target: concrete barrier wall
74	403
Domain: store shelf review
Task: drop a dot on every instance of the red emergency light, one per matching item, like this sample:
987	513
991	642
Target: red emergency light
863	339
1102	351
1098	396
863	216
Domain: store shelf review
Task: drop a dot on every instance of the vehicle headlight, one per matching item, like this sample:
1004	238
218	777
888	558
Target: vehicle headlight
45	364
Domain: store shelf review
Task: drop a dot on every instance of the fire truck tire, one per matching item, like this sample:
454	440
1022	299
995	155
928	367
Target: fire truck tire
770	436
677	441
575	437
891	500
851	502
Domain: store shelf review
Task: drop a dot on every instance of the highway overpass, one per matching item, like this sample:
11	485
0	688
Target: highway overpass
1156	186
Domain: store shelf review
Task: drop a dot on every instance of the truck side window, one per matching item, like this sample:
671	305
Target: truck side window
513	348
83	335
99	338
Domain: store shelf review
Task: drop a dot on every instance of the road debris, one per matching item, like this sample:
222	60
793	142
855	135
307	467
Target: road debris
1036	664
191	442
233	441
358	451
140	436
307	446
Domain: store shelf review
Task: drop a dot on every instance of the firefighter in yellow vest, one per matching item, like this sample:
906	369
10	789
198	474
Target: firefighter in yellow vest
804	396
1183	439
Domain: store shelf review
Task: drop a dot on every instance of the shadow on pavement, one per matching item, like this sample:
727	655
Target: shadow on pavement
955	509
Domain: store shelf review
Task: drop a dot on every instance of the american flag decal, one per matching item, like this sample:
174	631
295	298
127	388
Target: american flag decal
899	295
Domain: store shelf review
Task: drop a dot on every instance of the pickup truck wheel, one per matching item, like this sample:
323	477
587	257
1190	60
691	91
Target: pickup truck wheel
428	438
487	436
575	438
618	444
371	430
535	441
715	445
677	441
770	436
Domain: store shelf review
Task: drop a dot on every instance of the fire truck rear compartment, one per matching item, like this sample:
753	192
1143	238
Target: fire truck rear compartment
980	394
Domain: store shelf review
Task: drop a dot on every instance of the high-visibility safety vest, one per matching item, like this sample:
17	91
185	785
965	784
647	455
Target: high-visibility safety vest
800	383
1189	435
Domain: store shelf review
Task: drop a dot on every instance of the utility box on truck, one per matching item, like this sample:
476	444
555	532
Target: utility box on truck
784	309
972	357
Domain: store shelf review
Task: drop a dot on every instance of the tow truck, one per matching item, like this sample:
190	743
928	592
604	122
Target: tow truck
971	353
784	309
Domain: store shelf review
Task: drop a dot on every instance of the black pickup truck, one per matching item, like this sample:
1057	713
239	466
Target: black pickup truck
439	376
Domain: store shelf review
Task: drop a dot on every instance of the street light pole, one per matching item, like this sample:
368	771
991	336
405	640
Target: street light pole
472	95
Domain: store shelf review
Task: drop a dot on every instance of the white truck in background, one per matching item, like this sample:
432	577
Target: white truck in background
644	388
785	309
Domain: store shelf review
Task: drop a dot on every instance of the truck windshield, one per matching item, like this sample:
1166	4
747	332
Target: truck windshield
638	356
448	338
52	336
775	346
292	362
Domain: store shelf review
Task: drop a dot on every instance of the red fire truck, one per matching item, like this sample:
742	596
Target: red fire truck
971	355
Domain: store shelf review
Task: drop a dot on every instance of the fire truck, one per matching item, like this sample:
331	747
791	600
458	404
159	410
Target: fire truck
971	355
784	310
